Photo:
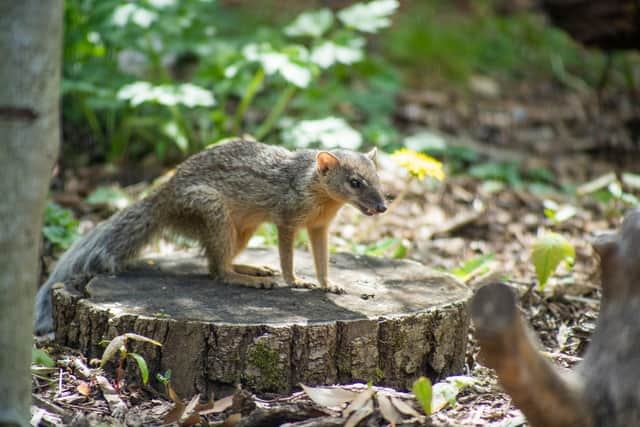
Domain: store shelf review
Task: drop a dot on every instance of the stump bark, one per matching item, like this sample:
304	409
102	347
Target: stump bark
397	321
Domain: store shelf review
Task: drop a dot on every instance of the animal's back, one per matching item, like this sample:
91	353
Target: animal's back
249	173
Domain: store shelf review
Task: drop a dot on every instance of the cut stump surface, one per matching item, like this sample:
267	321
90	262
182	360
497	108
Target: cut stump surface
397	321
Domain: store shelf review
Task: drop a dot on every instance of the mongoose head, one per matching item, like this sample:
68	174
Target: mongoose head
352	177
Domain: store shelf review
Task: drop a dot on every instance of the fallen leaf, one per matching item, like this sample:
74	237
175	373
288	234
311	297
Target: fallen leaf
112	349
361	413
219	406
187	417
405	408
173	395
232	420
388	411
359	402
83	388
142	338
329	397
174	414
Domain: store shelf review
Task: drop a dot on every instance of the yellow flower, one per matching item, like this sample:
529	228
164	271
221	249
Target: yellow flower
418	164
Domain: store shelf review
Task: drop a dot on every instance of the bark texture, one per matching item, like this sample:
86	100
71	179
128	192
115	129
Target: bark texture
603	390
398	320
30	40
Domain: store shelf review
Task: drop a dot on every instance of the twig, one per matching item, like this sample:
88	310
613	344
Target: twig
117	406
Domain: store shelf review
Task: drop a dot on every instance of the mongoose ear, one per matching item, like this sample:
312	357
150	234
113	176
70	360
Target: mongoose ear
325	161
372	154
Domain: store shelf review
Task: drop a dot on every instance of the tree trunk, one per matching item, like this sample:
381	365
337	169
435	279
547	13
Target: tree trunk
30	40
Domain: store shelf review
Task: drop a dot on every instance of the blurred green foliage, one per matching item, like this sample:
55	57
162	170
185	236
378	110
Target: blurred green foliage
60	227
161	75
438	39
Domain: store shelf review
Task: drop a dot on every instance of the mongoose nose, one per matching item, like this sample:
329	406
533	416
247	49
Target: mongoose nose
381	208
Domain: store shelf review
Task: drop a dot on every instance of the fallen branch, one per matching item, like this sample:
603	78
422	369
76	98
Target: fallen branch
603	390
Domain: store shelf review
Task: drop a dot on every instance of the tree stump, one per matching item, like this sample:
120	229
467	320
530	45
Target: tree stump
397	321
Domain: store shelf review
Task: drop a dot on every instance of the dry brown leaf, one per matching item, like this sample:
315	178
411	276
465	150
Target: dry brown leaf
201	407
232	420
112	349
359	402
191	420
174	414
172	394
186	419
329	397
388	411
405	408
361	413
83	388
141	338
219	406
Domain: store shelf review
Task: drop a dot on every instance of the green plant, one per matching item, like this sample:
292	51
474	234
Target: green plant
610	192
118	345
390	246
125	66
548	251
60	227
453	43
423	392
476	266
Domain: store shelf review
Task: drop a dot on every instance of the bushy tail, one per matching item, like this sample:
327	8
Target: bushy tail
105	249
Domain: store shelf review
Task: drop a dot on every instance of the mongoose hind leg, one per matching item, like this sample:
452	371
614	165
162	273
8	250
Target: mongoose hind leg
210	222
258	282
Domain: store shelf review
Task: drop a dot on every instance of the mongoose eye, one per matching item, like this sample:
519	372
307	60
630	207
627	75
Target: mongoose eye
355	183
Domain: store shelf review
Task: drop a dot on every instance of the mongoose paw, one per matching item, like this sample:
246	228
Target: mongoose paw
265	283
258	282
334	288
301	283
252	270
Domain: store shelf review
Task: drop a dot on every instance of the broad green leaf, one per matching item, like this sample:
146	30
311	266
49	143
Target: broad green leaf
186	94
60	227
368	17
142	365
313	24
401	250
330	132
328	53
444	394
548	252
473	265
112	196
132	13
292	63
40	357
173	131
422	390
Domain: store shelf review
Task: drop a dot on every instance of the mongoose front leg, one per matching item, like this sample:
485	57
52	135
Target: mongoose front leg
319	238
286	238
